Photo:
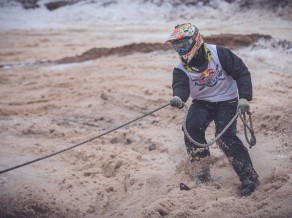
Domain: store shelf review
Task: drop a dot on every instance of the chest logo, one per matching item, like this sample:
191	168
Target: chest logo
209	78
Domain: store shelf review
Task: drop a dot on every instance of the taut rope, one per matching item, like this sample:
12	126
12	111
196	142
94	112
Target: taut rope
83	142
251	142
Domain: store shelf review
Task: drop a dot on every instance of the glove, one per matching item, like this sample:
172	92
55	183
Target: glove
176	102
243	105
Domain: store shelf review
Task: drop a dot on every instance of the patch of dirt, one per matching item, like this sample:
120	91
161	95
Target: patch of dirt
231	41
10	208
57	4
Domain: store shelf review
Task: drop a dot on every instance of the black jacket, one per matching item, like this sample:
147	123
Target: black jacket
232	65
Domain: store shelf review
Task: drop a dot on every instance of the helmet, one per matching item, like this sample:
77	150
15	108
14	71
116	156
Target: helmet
186	40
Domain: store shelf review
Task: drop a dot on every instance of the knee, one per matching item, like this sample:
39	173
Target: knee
198	136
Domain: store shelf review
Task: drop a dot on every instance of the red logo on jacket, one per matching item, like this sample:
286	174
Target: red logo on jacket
209	78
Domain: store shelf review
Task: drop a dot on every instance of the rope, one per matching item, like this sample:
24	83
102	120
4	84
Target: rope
251	142
84	142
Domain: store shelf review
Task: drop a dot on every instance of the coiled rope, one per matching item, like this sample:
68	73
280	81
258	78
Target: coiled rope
83	142
251	141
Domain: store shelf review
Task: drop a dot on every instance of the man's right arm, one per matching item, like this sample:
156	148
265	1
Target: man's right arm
180	84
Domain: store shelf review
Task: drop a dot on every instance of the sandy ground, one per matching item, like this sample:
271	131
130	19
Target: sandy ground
134	171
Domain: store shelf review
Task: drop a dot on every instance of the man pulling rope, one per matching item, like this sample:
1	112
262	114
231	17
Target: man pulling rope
215	78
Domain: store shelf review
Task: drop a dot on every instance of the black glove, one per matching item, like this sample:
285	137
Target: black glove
243	105
176	102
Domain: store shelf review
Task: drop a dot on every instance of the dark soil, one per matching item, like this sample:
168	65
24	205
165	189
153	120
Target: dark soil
231	41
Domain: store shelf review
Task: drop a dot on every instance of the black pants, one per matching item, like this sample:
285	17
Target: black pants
201	114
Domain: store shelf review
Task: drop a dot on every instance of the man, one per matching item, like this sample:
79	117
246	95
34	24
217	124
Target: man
215	78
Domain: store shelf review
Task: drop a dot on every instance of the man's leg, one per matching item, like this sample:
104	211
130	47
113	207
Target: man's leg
198	120
233	147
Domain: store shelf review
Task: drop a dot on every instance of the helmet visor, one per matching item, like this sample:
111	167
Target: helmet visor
184	45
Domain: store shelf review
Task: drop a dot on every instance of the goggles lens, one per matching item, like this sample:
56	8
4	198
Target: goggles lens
183	46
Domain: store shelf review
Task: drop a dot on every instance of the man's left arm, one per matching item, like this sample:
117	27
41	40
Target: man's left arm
235	67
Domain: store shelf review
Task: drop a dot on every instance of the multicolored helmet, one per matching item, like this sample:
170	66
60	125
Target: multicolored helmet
186	40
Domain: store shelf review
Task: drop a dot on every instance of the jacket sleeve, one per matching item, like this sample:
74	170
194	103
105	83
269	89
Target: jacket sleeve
180	84
235	67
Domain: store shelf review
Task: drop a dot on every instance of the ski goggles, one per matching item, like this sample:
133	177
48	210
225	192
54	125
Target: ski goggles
184	45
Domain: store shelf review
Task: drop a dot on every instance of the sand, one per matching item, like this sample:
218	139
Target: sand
48	104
